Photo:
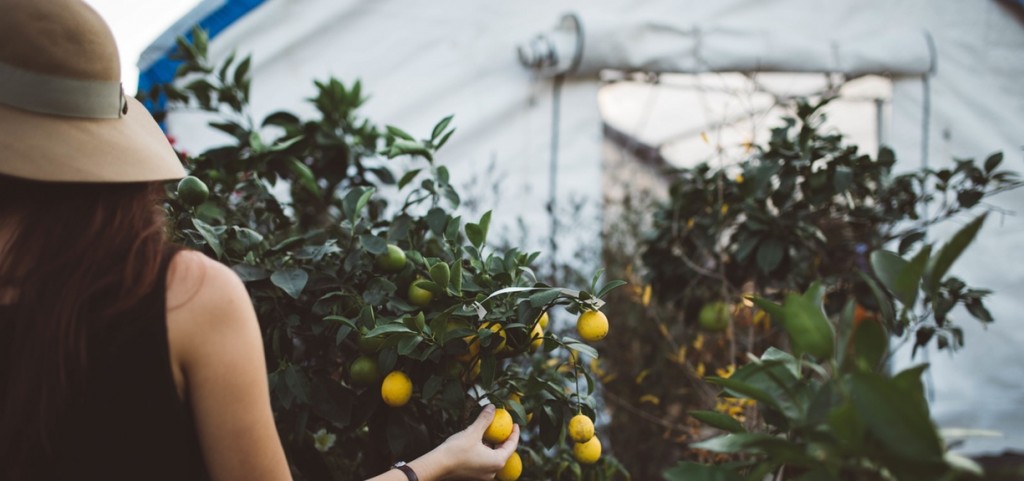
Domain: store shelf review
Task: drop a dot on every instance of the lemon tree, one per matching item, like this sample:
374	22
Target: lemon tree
831	408
388	318
801	207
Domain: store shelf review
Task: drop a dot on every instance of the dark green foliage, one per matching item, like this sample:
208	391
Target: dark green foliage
301	209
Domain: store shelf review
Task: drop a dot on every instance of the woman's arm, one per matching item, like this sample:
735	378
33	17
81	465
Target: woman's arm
217	358
462	456
216	344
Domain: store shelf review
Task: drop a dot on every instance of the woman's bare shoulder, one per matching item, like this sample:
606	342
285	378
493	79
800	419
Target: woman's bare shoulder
196	281
199	287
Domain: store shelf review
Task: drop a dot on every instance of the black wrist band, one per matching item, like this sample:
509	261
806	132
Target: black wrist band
409	473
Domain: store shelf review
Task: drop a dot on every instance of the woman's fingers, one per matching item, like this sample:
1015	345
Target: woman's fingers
482	421
506	448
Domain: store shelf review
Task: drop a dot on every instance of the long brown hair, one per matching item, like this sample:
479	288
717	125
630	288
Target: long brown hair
79	254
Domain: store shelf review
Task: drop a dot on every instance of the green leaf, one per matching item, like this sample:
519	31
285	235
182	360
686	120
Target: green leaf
870	344
939	265
475	234
304	175
291	281
451	231
846	426
409	147
883	300
993	161
815	293
249	273
364	199
903	278
544	297
605	289
444	139
439	128
733	443
440	273
210	235
394	327
373	244
408	177
808	328
355	200
786	359
456	281
281	119
408	343
783	389
689	471
718	420
297	383
897	417
437	220
398	133
242	71
741	389
843	179
583	349
774	310
485	223
769	254
378	290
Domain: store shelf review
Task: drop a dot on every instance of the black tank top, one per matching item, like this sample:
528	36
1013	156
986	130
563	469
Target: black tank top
128	422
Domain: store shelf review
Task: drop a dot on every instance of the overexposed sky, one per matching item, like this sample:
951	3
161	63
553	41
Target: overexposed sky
136	23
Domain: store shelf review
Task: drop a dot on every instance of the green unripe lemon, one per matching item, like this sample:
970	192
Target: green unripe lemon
393	260
714	316
192	191
419	296
364	371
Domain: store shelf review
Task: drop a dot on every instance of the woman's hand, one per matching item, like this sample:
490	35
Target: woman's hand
467	457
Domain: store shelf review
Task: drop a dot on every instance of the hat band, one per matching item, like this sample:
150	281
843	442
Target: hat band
66	97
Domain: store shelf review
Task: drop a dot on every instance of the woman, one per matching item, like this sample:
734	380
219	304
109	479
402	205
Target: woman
121	356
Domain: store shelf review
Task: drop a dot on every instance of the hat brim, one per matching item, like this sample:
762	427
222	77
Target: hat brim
132	148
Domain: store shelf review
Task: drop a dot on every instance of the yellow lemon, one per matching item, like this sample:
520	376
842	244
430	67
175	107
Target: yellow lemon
543	320
511	470
497	328
500	428
588	452
592	326
474	349
396	389
581	428
536	337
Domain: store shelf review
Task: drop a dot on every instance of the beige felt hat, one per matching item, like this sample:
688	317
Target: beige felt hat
63	113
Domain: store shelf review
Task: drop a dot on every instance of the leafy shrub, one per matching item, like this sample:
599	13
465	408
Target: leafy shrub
830	409
313	217
805	207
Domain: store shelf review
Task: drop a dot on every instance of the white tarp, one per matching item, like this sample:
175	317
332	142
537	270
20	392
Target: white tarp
422	61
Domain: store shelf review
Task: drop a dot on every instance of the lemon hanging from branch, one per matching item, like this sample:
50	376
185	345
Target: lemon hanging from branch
592	326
